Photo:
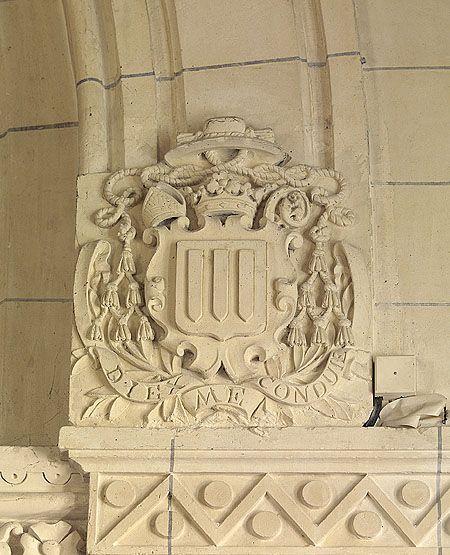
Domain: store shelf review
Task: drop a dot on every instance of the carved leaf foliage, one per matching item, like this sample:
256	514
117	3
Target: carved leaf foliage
341	270
78	353
172	410
234	413
222	412
102	391
81	365
118	407
276	366
338	274
285	417
311	363
100	408
347	299
361	366
333	407
267	413
341	216
168	408
108	359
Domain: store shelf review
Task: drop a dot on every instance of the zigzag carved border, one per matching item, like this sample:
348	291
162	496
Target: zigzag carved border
217	534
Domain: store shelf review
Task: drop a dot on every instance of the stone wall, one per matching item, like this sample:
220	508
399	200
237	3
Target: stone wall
39	160
359	87
91	87
406	76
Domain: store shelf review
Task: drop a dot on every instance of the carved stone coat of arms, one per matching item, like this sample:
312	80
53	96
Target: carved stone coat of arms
225	299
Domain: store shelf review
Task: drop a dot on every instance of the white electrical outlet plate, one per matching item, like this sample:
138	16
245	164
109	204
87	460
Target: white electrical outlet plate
395	376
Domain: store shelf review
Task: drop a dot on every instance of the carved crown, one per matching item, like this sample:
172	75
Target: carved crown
224	195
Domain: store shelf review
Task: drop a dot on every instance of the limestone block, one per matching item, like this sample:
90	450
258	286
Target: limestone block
404	32
350	148
92	38
340	26
34	375
409	125
36	72
40	212
139	121
226	299
412	259
3	230
89	201
242	27
170	95
133	37
272	85
293	490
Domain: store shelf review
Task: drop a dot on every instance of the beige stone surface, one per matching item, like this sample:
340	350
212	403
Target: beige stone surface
40	212
409	125
35	355
404	32
252	93
37	484
133	36
139	121
411	243
424	331
92	40
36	68
339	25
93	133
233	491
289	491
3	228
97	448
350	148
39	163
244	36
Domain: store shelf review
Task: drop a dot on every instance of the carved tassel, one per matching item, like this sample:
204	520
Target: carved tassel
345	335
296	335
123	332
145	331
318	262
111	297
335	297
319	334
133	295
331	298
96	331
126	263
327	300
305	300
